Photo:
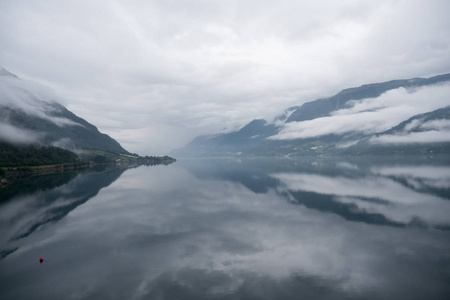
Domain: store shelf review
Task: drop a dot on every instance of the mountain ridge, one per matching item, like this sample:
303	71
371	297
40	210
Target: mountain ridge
27	119
342	143
373	90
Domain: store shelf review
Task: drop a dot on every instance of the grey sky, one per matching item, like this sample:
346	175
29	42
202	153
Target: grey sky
154	74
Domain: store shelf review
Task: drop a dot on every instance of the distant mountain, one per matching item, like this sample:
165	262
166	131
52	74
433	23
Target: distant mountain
421	134
323	107
423	122
27	119
354	121
245	139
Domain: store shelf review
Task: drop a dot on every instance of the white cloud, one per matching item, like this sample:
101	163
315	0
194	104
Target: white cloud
442	124
23	94
434	131
16	135
372	115
413	124
431	136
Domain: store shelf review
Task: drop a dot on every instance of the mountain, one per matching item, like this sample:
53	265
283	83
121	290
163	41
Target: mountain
245	139
323	107
25	118
422	134
371	119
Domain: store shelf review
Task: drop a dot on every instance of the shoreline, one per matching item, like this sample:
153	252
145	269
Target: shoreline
12	173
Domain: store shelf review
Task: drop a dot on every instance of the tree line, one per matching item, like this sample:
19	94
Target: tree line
34	155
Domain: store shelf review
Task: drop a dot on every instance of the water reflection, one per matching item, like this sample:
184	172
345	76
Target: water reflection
249	229
373	199
35	201
376	191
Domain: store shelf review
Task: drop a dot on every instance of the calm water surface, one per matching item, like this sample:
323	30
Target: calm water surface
316	228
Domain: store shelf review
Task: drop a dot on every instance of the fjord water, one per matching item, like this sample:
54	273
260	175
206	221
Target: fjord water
309	228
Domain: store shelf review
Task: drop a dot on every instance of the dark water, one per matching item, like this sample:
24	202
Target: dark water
316	228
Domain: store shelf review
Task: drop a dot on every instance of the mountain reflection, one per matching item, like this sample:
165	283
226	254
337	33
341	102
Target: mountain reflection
313	228
35	201
384	191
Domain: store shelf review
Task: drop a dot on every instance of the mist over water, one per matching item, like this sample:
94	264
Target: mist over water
307	228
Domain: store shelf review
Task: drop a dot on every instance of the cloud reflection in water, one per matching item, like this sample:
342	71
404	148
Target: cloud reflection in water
230	230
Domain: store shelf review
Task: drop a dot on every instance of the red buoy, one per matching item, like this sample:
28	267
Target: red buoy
41	259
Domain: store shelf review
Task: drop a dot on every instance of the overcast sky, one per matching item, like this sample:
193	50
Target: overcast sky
154	74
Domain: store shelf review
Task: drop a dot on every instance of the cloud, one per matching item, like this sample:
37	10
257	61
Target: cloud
21	94
203	67
435	131
442	124
431	136
373	115
403	204
418	176
16	135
